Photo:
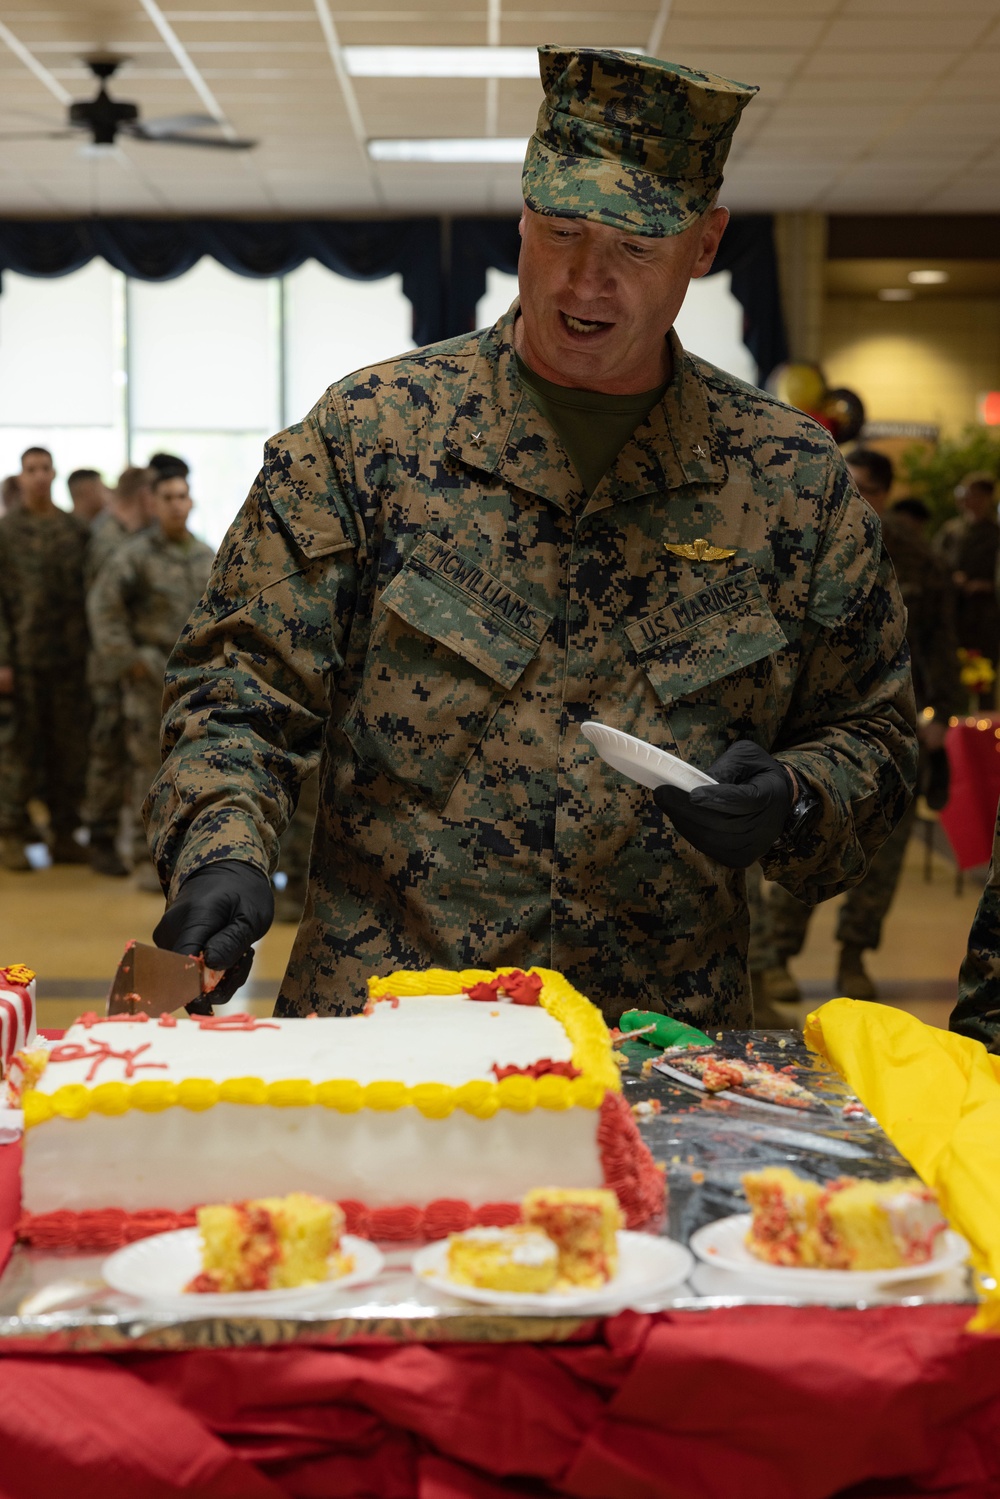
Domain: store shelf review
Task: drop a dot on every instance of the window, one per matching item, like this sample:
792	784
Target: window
105	371
62	370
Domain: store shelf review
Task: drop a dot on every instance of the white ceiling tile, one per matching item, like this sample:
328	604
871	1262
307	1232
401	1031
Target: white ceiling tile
946	26
858	62
850	107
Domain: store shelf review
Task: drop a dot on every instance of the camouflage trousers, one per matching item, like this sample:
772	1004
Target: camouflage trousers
43	749
296	840
141	701
780	923
108	780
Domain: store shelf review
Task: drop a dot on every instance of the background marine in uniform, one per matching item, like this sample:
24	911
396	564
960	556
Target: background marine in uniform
137	607
43	651
930	632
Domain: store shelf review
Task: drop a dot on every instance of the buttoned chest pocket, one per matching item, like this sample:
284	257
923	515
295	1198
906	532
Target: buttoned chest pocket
439	664
710	659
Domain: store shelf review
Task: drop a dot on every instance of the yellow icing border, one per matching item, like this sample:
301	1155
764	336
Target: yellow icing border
581	1020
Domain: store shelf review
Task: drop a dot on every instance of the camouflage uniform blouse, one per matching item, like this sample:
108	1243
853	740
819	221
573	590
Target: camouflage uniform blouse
418	591
144	591
42	624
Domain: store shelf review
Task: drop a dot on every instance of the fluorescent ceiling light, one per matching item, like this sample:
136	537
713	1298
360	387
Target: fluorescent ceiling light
928	278
477	149
896	294
445	62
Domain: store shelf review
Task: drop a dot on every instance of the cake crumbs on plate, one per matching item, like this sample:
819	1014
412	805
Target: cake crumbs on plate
647	1108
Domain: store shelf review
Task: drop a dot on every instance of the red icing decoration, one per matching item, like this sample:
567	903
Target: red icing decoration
487	992
497	1214
405	1222
107	1228
358	1219
238	1022
102	1052
629	1169
522	988
380	999
543	1068
446	1216
167	1021
110	1228
89	1019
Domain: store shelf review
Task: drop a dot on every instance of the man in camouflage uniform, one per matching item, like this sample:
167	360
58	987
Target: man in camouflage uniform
930	631
43	649
463	554
130	511
137	607
89	495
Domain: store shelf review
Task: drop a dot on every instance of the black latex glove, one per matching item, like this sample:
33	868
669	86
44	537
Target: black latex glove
736	822
219	911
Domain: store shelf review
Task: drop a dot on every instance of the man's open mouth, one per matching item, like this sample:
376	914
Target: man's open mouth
582	325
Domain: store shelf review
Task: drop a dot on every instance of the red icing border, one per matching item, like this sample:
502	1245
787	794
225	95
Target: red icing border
110	1228
629	1168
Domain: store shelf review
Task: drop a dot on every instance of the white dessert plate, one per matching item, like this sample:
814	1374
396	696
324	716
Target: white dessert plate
642	762
647	1266
158	1268
722	1244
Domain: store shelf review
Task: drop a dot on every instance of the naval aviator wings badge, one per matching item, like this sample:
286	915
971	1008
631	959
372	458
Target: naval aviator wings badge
699	550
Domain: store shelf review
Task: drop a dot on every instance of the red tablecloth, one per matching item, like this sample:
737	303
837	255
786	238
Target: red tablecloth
973	747
744	1403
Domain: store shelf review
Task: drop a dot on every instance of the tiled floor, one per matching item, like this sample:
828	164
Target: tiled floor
71	926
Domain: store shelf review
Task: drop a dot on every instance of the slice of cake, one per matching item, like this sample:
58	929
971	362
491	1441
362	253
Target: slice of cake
518	1258
584	1227
270	1244
866	1225
846	1224
784	1208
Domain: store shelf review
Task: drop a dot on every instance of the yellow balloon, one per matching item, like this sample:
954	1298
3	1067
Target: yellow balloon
800	385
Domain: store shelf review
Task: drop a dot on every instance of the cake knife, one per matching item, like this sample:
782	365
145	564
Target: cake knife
153	981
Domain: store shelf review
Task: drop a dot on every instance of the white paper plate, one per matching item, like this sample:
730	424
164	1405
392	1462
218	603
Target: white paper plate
647	1266
642	762
722	1245
158	1268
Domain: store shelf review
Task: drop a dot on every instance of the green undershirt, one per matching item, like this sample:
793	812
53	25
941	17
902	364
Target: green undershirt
593	427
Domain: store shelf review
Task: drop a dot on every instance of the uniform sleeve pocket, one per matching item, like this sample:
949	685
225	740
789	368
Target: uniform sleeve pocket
442	657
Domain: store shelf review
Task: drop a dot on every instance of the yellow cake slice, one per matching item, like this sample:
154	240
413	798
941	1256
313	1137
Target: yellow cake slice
865	1225
270	1243
846	1224
583	1223
503	1259
785	1209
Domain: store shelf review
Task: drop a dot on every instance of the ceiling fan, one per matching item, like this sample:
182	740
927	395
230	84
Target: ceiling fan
104	119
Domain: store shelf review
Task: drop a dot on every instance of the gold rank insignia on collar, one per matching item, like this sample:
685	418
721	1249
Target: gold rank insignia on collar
699	550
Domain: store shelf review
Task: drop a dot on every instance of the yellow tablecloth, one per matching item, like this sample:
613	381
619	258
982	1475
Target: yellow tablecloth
937	1096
